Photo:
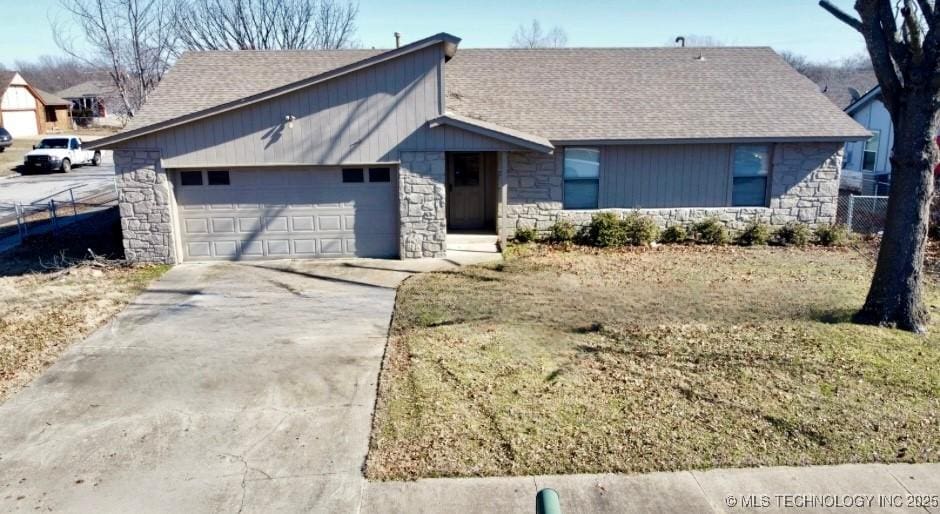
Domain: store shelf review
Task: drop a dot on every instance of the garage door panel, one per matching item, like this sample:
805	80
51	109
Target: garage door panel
305	247
279	247
288	213
223	225
199	249
196	226
249	225
225	249
331	247
330	223
278	224
303	224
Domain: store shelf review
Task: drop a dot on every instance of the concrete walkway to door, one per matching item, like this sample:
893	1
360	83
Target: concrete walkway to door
223	388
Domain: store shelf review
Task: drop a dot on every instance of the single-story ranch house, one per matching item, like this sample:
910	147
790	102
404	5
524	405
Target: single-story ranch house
292	154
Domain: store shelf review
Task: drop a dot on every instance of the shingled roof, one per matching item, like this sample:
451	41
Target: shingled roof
563	95
633	94
51	99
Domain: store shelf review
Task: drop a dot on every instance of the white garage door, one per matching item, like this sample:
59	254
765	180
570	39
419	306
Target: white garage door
20	123
279	214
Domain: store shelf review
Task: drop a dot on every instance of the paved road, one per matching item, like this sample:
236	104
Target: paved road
223	388
41	187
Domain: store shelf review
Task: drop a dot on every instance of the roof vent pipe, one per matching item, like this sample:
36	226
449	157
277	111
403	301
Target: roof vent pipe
398	40
681	41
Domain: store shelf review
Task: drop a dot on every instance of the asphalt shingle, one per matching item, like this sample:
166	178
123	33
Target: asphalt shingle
560	94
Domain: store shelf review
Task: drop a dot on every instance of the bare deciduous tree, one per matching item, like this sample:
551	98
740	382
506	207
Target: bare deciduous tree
534	37
132	39
903	40
54	73
840	80
265	24
799	62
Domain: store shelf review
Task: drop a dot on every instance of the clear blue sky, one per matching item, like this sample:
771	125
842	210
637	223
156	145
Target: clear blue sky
796	25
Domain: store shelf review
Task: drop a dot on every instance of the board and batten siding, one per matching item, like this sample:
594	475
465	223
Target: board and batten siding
873	116
656	176
363	117
458	140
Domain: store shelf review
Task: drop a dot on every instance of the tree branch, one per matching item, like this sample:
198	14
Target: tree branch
841	15
878	45
926	8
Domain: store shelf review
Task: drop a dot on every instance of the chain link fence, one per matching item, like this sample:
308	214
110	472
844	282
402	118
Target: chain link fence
862	214
20	221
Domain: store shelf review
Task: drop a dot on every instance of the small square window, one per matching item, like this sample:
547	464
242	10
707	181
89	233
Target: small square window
352	175
191	178
380	175
218	178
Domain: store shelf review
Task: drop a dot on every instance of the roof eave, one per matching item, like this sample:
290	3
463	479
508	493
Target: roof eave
863	100
704	140
515	138
449	41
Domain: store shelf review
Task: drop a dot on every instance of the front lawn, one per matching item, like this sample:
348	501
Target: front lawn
56	289
12	157
650	359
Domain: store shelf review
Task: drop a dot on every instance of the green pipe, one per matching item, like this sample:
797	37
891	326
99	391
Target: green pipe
547	502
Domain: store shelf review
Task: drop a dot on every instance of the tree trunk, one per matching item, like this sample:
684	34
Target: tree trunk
896	295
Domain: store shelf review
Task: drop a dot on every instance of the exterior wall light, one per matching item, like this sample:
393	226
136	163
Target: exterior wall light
289	119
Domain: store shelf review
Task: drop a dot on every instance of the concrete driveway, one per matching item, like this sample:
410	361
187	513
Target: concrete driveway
223	388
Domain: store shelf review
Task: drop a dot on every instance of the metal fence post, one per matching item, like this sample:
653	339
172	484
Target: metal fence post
848	217
55	221
74	209
20	222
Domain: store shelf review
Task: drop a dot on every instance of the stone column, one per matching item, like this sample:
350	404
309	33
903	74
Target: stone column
421	194
805	182
146	207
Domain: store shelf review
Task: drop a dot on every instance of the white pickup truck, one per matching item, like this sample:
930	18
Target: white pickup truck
59	153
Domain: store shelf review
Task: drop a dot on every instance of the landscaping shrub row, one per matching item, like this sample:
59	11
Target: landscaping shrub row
607	229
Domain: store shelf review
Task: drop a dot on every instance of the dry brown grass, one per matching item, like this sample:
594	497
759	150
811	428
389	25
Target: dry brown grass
645	360
53	293
42	313
12	157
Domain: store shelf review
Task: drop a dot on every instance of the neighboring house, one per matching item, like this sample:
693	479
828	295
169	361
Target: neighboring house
867	166
26	111
19	106
868	163
94	103
381	153
55	113
845	87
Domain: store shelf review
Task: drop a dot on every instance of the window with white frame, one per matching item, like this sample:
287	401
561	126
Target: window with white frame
582	173
750	170
870	156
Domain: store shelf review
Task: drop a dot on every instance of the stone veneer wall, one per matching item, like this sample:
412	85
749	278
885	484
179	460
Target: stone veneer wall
423	223
145	205
804	188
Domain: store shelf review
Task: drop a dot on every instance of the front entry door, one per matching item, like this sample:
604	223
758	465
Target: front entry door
466	198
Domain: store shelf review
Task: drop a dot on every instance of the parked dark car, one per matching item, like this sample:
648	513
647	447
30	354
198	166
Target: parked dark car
5	139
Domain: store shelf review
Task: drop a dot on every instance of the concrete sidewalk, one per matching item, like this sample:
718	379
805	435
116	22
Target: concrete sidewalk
845	488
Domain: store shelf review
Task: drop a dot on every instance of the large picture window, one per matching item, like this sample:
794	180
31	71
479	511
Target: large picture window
870	158
750	171
582	171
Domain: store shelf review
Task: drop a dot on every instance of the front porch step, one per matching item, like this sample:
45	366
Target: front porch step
483	243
